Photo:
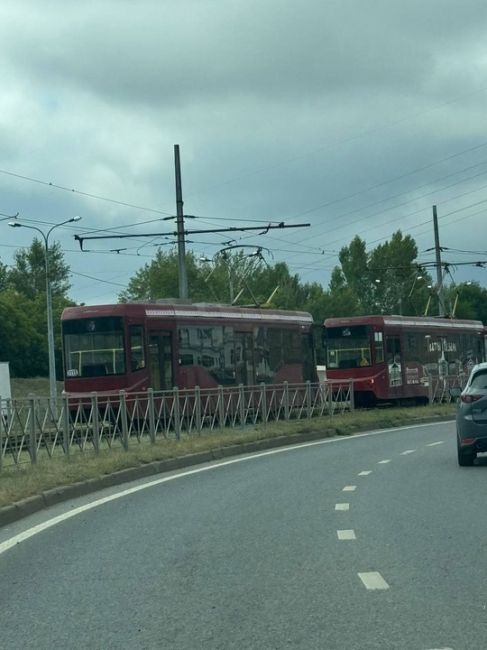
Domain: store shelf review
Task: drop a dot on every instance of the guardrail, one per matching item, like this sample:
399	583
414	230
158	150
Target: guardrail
39	427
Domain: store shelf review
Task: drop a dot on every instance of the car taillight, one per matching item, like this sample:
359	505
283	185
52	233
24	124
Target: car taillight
468	399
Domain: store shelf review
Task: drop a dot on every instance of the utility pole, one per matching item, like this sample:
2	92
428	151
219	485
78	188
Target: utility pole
182	276
439	271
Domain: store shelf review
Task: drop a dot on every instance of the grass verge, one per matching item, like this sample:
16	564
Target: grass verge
38	386
27	480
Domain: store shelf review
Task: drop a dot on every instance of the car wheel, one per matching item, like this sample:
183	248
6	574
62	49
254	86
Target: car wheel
465	457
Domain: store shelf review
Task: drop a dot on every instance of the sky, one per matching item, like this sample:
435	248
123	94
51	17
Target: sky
354	117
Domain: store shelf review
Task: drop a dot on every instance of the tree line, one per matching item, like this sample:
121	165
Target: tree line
385	280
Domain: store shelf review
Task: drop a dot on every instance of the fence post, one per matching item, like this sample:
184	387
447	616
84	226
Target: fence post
197	408
123	416
352	396
95	422
330	399
152	415
66	432
177	413
263	403
286	400
308	399
32	436
221	407
241	404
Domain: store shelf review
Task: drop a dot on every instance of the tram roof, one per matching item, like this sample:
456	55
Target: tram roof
406	321
187	310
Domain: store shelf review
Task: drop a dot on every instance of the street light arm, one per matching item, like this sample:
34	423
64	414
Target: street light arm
23	225
57	225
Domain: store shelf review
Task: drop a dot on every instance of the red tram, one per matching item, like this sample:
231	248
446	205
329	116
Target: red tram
160	345
399	357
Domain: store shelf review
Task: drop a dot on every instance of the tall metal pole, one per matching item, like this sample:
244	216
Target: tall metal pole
183	278
439	272
50	324
50	330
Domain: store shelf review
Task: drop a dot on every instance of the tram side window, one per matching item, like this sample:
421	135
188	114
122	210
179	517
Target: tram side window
379	347
393	347
94	347
291	345
275	349
348	347
137	351
211	348
264	353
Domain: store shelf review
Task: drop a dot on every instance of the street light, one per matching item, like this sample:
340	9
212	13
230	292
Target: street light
50	328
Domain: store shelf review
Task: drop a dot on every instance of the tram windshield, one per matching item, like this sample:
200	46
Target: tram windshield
94	347
348	347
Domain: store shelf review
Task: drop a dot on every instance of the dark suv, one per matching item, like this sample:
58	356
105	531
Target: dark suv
472	416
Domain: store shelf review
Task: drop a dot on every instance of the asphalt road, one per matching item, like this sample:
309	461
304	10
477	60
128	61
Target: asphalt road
250	555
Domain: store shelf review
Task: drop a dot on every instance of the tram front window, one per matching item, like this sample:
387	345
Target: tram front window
348	347
94	347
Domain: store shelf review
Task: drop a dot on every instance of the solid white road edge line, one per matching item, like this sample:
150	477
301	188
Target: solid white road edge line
342	506
373	580
35	530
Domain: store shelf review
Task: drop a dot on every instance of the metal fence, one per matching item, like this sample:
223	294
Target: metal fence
36	428
439	387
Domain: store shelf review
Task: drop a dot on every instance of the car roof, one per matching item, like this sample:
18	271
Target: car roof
479	366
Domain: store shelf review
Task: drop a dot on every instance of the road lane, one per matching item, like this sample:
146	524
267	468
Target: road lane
248	556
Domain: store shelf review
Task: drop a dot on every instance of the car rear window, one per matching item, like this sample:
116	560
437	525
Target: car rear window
479	380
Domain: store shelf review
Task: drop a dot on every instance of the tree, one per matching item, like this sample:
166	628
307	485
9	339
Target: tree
471	301
21	339
3	277
385	280
159	278
342	299
23	331
28	275
400	285
355	271
230	276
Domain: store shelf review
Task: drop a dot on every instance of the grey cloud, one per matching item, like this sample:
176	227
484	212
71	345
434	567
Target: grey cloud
174	53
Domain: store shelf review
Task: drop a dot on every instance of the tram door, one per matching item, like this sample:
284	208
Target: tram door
394	361
160	360
244	356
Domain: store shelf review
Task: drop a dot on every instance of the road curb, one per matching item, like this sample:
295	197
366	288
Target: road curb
33	504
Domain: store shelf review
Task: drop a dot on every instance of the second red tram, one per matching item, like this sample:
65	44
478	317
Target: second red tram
399	357
134	346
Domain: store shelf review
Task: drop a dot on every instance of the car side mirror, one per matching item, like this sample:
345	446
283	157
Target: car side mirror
455	392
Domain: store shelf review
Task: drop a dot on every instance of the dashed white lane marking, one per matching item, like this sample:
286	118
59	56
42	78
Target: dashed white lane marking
441	648
346	534
373	580
408	451
53	521
433	444
383	462
365	473
349	488
342	506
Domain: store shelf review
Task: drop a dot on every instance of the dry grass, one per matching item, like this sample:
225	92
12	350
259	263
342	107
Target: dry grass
38	386
27	480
